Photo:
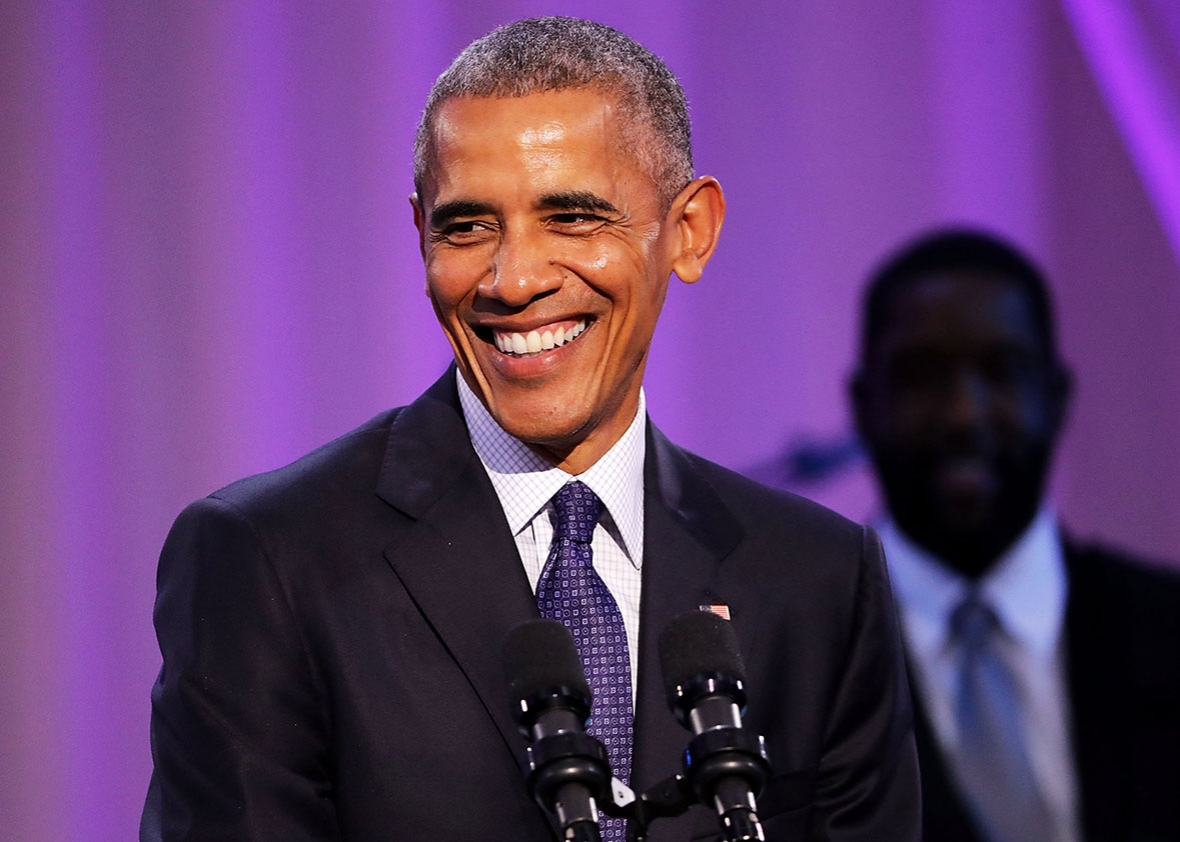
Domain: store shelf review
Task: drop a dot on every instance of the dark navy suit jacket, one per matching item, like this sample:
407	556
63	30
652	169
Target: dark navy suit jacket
1122	637
331	634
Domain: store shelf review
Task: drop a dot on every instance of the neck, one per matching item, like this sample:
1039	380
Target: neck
971	555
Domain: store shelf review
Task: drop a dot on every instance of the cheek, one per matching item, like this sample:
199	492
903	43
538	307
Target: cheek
597	260
1038	414
1021	418
903	419
450	279
622	267
642	312
444	305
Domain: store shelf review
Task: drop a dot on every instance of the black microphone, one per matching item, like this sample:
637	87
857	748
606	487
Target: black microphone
725	764
568	771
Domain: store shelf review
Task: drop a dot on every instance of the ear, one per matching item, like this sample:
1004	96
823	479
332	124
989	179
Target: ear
1061	394
698	213
419	223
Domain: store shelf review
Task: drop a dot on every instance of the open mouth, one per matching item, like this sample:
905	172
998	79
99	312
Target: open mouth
537	341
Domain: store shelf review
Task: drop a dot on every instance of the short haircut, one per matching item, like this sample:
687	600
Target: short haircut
559	53
949	250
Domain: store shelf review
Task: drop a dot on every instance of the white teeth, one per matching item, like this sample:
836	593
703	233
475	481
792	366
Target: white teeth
536	341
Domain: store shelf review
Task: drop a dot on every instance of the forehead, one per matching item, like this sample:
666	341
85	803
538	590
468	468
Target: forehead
548	136
959	311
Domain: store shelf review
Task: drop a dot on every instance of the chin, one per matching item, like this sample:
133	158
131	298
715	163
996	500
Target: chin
542	428
969	517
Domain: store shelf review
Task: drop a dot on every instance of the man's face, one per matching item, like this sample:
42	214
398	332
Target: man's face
960	406
547	258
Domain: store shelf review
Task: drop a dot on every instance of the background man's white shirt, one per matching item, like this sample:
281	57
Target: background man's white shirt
1027	588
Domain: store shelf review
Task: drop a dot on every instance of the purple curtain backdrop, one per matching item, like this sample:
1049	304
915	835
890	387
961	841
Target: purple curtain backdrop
208	268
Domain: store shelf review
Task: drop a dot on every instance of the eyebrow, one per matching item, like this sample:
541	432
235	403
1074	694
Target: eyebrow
448	211
576	200
573	200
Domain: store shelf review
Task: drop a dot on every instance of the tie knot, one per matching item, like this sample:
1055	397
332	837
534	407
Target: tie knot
973	622
578	509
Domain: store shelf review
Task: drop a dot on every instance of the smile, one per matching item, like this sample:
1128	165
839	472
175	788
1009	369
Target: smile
536	341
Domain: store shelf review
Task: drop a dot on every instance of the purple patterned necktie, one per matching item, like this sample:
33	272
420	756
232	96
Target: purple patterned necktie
570	590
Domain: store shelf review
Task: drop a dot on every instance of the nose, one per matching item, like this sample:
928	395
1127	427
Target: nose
521	271
968	402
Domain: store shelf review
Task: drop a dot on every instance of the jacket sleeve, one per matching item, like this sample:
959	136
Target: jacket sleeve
868	786
239	724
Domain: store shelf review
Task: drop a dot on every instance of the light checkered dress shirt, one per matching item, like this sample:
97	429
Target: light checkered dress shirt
525	483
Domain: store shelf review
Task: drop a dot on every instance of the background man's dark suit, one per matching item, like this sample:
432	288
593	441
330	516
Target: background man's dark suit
324	675
1123	641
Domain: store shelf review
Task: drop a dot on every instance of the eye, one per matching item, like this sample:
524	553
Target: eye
576	222
465	232
920	373
1012	368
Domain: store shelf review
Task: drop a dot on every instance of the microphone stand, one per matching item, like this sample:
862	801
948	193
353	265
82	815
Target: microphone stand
712	758
570	771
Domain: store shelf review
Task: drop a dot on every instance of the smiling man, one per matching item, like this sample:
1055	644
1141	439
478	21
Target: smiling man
548	246
331	631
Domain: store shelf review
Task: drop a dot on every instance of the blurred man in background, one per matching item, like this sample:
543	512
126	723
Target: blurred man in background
1046	674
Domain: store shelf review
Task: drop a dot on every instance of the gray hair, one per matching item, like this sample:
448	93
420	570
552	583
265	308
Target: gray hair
559	53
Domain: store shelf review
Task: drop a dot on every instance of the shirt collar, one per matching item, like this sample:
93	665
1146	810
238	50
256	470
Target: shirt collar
1026	588
525	482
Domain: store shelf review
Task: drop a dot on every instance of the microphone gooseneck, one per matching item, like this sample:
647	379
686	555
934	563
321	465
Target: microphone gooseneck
704	678
568	771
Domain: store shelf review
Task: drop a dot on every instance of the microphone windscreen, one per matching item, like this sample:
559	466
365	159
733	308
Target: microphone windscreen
698	642
540	656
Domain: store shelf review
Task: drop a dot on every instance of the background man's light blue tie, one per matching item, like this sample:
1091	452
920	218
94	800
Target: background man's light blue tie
994	768
571	591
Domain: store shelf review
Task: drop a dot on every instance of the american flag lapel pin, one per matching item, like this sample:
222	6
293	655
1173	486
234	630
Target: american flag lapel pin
718	608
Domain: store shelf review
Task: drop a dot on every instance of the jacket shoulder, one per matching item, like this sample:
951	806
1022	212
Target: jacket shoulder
760	507
340	469
1117	578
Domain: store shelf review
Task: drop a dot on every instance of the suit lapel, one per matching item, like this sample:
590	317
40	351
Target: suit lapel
944	815
456	558
688	532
